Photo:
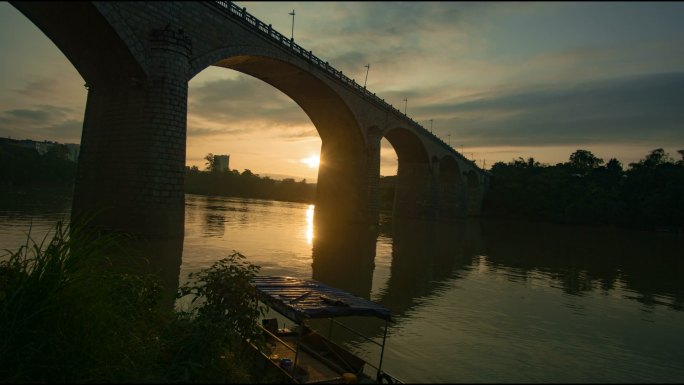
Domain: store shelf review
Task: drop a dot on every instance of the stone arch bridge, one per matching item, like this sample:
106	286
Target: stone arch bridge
137	59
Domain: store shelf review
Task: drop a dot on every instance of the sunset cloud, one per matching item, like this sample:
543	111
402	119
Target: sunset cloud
624	110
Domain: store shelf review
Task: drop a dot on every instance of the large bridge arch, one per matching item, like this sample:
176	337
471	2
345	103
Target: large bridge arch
342	186
86	38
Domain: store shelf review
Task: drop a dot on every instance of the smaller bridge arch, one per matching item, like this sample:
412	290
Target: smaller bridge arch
452	194
414	194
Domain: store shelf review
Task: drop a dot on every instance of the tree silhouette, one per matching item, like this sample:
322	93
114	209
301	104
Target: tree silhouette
210	162
649	195
584	161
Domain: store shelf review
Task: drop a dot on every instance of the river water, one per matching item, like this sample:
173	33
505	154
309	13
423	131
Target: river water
472	301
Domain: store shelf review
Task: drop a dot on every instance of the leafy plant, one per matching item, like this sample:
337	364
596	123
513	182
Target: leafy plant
223	296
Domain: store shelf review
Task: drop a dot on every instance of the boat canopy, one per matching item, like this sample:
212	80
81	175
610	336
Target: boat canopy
299	299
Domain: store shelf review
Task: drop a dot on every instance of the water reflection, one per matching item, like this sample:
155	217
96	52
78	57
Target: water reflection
309	224
577	260
425	254
581	259
214	221
343	256
574	259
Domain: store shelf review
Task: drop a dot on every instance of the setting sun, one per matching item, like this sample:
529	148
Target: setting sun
313	161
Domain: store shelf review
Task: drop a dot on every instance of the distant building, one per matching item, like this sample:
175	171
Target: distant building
222	162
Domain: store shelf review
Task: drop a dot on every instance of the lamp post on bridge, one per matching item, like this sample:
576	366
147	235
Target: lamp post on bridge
431	125
367	69
405	105
449	135
293	15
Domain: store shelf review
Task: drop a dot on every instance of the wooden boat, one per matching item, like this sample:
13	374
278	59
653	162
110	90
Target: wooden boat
301	354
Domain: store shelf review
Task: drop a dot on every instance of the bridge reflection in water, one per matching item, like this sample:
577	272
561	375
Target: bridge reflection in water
429	257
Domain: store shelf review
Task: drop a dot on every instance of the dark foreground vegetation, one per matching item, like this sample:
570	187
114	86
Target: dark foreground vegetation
649	194
68	315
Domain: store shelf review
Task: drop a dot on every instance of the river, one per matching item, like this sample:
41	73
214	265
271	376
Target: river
472	301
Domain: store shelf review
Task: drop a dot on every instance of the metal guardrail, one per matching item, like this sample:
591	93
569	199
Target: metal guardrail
230	9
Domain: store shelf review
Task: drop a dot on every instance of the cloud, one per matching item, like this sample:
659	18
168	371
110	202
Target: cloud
209	132
41	114
42	122
44	107
392	36
242	97
634	109
290	133
245	106
66	131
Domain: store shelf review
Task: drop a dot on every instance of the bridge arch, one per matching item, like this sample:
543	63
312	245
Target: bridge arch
87	40
414	191
342	186
408	146
327	110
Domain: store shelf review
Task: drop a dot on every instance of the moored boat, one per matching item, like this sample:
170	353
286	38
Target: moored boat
302	355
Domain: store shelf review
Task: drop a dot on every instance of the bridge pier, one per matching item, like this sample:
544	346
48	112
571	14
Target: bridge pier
415	195
130	176
474	195
342	187
452	196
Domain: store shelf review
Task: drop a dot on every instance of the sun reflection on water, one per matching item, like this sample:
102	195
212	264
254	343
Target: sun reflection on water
309	224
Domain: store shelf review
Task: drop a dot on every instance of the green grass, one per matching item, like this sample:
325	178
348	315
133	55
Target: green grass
69	315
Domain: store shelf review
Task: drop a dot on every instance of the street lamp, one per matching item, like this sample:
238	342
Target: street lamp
431	125
405	105
367	69
293	15
449	135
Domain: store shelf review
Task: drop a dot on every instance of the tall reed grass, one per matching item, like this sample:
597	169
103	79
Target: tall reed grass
67	314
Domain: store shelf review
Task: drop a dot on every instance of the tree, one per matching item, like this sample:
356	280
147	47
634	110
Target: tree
614	165
210	162
584	161
653	160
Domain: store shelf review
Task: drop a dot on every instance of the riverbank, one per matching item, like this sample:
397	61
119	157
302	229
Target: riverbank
66	315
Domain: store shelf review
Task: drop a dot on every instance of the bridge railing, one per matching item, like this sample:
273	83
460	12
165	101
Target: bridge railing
231	9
